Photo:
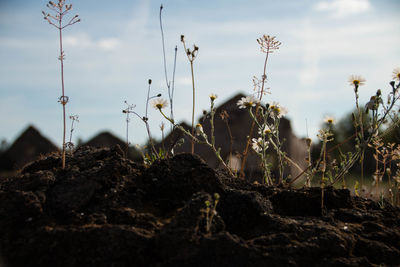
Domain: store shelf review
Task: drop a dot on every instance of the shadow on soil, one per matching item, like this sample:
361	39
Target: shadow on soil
104	210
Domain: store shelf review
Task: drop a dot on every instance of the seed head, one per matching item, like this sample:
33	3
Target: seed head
268	43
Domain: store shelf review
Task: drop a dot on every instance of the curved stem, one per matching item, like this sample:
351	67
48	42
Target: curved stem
193	104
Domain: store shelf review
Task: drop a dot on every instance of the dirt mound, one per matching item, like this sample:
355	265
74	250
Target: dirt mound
104	210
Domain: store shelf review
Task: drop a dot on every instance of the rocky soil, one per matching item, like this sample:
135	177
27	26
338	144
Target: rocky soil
104	210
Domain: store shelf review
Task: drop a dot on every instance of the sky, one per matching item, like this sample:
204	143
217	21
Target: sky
116	48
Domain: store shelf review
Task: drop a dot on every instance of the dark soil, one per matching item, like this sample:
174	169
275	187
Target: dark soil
104	210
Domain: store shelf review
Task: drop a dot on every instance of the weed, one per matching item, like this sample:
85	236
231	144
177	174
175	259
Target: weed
73	118
191	55
60	10
210	211
268	45
155	102
170	84
198	131
127	111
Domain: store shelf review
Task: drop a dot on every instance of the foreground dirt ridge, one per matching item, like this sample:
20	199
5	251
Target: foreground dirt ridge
104	210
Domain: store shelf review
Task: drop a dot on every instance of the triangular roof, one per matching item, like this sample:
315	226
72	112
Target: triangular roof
26	148
105	139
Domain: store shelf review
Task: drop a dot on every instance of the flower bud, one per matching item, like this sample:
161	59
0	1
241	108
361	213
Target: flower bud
199	129
308	142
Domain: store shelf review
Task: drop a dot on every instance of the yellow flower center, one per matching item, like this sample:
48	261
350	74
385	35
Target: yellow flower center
356	82
159	105
248	104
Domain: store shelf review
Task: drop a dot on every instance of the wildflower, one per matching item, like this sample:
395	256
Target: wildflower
276	110
268	43
356	80
247	102
396	74
74	118
267	130
199	129
257	144
308	141
372	104
159	103
329	120
213	97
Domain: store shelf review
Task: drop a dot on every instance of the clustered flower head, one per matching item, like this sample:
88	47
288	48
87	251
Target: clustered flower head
268	43
356	80
60	12
159	103
191	54
276	110
247	102
74	118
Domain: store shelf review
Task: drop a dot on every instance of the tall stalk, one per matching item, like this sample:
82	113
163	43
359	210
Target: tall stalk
267	44
191	55
170	84
56	21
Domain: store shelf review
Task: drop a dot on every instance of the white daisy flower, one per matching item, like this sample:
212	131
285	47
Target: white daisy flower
247	102
159	103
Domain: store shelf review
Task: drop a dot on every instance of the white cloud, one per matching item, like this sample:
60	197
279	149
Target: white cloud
184	81
80	40
85	41
342	8
108	44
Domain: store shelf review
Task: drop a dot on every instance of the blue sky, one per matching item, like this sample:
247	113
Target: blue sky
116	48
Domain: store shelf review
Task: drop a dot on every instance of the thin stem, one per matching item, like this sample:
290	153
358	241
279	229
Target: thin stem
212	123
127	134
193	104
246	150
62	88
163	47
171	93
